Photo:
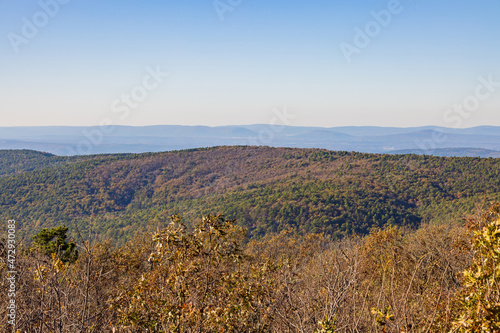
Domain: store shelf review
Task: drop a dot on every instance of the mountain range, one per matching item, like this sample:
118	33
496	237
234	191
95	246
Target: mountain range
482	141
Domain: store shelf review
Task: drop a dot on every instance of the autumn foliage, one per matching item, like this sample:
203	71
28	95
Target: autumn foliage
211	278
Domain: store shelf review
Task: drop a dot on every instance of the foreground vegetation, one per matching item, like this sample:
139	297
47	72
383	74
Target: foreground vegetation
210	278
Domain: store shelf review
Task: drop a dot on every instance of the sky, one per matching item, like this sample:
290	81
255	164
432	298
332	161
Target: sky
230	62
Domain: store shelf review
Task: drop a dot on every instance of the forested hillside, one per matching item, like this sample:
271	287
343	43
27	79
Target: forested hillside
265	189
18	161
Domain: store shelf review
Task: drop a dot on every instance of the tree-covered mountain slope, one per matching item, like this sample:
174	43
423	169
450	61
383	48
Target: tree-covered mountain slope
18	161
266	189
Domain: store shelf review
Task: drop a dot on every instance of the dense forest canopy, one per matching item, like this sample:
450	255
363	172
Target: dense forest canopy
321	241
265	189
18	161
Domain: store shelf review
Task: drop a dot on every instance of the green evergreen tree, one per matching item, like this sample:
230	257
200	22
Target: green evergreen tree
54	241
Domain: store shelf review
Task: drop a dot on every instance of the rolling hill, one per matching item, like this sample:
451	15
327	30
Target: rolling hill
266	189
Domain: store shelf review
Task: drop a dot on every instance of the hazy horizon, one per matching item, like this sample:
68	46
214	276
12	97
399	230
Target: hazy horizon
260	124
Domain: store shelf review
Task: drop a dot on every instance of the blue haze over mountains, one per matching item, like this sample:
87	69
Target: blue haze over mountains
482	141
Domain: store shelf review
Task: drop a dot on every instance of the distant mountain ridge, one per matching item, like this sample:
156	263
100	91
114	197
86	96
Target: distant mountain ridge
454	152
67	140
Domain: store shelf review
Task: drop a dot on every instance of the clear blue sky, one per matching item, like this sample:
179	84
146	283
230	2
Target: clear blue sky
262	55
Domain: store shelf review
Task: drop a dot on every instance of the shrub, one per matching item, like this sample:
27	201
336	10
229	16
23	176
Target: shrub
479	301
